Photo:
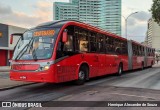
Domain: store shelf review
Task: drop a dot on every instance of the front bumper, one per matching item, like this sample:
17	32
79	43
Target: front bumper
33	76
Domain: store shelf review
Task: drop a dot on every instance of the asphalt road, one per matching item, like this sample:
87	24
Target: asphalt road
139	85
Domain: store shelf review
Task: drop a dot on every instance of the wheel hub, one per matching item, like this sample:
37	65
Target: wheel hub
81	75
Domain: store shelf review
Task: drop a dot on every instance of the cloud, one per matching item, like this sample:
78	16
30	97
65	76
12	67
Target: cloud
41	13
5	9
142	16
44	10
137	26
22	20
44	4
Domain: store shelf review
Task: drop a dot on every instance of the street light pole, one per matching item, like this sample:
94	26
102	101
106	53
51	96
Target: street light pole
126	22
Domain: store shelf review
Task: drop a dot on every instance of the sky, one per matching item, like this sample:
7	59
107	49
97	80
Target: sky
29	13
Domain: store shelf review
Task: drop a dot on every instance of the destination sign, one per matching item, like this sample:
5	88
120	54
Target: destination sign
44	33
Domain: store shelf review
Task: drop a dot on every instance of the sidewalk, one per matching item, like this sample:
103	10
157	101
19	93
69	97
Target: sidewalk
6	83
4	68
156	65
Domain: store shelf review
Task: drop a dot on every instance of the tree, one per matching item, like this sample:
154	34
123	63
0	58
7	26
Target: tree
155	10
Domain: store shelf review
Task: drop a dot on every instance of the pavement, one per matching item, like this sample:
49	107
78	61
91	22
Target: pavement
6	83
139	85
4	68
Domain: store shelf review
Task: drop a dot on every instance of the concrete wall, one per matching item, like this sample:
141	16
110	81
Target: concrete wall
4	37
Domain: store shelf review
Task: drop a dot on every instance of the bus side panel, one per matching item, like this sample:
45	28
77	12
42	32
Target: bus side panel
150	60
134	59
140	59
103	67
93	60
124	60
111	64
137	62
145	57
66	69
147	62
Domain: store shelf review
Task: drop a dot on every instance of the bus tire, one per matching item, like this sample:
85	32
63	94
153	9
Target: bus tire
142	66
82	75
120	70
152	64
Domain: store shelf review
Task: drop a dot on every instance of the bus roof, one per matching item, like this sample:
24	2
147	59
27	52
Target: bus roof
137	43
61	23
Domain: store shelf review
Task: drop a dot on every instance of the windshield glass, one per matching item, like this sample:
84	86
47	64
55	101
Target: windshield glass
35	45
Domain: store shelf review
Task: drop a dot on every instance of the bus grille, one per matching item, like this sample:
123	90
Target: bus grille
25	67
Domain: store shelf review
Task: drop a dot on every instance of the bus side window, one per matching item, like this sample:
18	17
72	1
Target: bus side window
100	43
124	48
66	48
83	41
134	49
76	40
93	43
117	44
112	46
106	44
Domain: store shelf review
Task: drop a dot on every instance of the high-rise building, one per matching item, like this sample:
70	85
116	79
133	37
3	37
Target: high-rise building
153	34
105	14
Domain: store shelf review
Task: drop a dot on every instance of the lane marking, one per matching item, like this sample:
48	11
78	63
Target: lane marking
99	81
132	95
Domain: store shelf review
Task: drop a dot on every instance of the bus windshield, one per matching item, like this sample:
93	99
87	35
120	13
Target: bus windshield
35	45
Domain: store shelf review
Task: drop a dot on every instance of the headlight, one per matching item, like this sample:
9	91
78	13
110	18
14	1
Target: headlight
46	67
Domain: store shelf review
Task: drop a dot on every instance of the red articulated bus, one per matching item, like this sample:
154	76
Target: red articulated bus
69	50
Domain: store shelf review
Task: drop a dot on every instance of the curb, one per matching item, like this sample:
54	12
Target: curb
12	87
4	71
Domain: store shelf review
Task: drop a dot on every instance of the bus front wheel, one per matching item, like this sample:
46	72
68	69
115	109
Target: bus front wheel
81	75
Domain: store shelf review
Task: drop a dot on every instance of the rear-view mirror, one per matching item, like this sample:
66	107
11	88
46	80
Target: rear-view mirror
11	39
65	36
15	34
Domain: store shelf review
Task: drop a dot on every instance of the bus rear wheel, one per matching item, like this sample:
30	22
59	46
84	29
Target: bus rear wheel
151	64
120	70
81	75
142	66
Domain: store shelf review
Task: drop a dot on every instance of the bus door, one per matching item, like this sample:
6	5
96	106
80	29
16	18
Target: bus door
94	67
66	59
102	64
94	60
111	58
134	57
102	56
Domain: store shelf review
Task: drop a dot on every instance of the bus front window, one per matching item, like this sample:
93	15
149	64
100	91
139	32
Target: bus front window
35	45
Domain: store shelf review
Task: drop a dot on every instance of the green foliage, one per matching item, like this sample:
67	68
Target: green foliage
155	9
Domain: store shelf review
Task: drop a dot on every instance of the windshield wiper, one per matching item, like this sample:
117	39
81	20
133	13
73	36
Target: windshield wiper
18	57
34	55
